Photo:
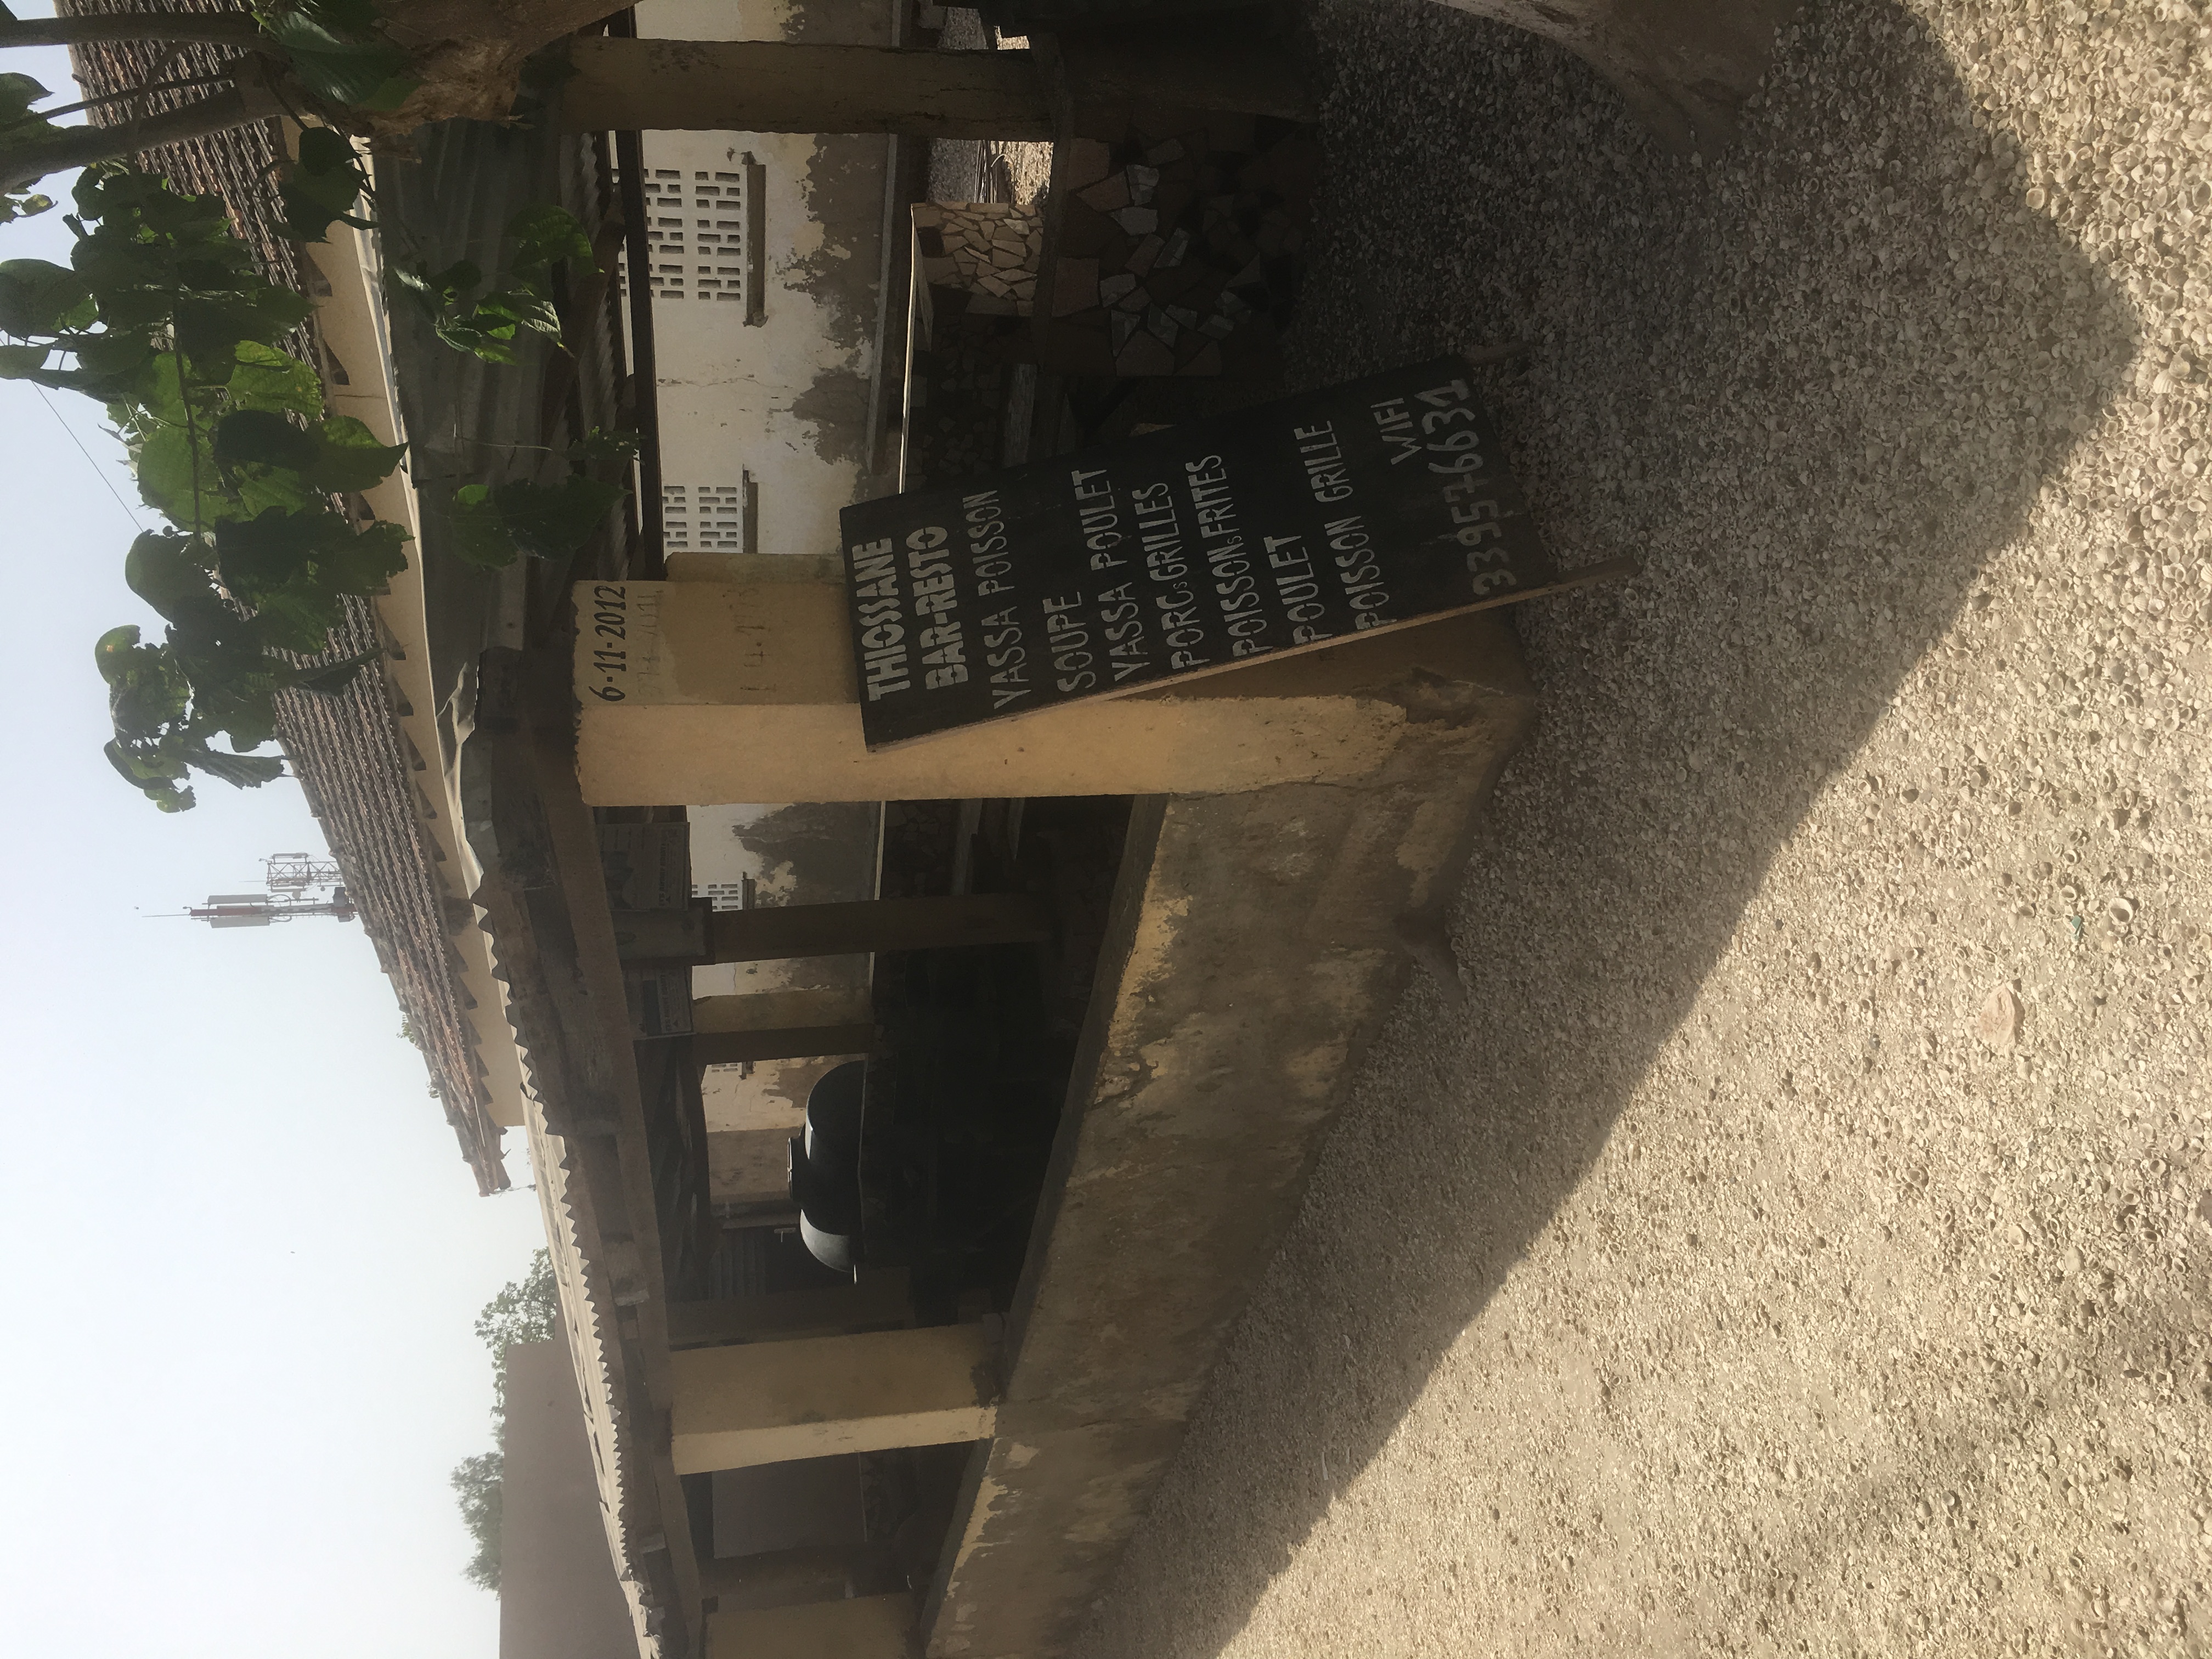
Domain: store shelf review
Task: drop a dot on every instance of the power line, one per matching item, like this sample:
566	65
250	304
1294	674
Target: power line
135	522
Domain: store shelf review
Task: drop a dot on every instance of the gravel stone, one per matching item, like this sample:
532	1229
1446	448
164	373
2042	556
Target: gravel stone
1703	1283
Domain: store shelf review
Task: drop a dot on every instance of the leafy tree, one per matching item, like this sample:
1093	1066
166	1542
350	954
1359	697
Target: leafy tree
476	1485
527	1309
162	317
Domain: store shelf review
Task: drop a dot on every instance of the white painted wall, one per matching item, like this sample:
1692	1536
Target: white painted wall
739	399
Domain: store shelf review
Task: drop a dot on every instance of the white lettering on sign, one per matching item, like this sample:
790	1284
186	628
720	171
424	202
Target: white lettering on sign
1327	477
1007	658
1352	550
1098	519
937	608
882	629
987	543
1122	621
1236	589
1297	588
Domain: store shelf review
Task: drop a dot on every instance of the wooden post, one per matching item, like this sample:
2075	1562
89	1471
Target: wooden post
771	1402
786	86
866	925
866	1627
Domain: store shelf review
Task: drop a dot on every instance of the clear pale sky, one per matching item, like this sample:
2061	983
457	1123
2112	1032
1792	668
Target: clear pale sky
241	1252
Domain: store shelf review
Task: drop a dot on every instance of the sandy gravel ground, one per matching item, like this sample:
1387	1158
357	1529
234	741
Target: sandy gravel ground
988	170
1796	1246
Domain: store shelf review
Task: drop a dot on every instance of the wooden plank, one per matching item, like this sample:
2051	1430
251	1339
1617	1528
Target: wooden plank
870	925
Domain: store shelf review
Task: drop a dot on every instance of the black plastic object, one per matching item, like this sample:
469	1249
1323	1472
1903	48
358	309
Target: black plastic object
825	1168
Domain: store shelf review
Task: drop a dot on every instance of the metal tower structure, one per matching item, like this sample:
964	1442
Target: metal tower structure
294	880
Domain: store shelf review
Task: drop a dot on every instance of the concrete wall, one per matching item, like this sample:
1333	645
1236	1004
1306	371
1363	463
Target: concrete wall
557	1595
782	404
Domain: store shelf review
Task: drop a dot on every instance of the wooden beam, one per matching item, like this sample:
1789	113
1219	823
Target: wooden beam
764	1011
870	925
786	86
784	1042
876	1300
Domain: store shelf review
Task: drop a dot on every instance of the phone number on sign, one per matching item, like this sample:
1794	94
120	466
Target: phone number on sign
1444	432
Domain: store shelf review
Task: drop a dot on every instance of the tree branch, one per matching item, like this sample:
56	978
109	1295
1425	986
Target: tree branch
148	91
226	28
79	147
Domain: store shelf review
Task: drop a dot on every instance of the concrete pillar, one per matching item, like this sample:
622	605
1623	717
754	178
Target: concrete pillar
866	1627
744	690
770	1402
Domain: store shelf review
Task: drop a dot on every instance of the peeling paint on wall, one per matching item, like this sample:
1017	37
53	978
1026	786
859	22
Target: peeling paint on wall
784	400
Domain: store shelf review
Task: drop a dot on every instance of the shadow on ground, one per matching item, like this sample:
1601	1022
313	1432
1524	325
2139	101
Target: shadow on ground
1814	384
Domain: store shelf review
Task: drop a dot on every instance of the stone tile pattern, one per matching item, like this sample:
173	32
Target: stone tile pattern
983	255
1177	245
975	265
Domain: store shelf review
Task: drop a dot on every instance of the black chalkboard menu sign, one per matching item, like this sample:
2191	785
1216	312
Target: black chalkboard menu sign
1373	505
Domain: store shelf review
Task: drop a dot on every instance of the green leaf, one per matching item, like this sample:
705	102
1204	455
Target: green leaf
364	562
356	72
350	458
17	93
480	535
257	434
257	557
111	355
167	571
37	297
545	234
544	522
113	650
22	207
213	326
324	185
170	483
347	18
522	305
239	771
21	362
268	379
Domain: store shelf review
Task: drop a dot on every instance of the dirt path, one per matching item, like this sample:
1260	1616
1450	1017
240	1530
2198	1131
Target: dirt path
1722	1280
